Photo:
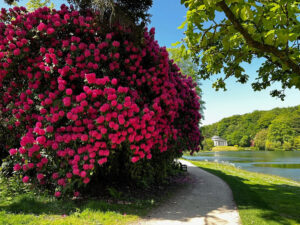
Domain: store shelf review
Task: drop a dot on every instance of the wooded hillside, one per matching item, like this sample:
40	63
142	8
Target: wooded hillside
278	128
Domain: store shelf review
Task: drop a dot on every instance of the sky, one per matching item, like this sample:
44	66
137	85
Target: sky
167	16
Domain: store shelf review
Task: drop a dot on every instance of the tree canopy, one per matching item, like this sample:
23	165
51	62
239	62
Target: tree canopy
223	34
128	11
125	11
184	62
35	4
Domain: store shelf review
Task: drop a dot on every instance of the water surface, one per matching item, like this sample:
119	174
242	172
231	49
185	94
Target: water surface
283	163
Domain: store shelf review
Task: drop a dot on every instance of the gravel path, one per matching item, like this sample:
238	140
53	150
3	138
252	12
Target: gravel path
207	200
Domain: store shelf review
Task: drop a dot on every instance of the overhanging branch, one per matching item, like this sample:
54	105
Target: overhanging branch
255	44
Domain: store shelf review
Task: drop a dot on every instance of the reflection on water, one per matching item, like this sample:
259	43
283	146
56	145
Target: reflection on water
285	164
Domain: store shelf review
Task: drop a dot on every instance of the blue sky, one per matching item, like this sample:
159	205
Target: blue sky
167	15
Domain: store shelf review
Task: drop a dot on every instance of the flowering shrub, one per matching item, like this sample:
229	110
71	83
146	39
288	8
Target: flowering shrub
77	96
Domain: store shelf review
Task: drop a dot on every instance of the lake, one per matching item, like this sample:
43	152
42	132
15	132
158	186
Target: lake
281	163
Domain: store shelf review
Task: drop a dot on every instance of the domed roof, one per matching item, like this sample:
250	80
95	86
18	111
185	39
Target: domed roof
215	137
218	138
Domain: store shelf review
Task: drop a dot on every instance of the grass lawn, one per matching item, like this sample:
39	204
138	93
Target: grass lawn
260	198
29	208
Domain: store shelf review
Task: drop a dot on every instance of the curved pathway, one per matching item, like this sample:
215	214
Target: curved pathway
206	200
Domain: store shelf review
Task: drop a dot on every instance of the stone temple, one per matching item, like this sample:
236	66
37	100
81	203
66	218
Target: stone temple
218	141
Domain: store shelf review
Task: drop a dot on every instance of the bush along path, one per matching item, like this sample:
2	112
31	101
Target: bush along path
86	104
206	200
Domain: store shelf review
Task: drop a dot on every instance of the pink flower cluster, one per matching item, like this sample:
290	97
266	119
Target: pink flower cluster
79	94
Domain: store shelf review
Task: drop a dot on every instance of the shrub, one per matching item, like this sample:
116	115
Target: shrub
297	143
261	138
85	104
273	145
287	146
208	144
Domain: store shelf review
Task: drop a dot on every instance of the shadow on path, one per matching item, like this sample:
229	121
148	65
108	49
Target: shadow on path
206	200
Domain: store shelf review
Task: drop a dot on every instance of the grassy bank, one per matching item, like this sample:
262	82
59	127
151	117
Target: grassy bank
233	148
37	209
222	149
20	206
261	199
27	209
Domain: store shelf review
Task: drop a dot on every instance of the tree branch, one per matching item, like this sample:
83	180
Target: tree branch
255	44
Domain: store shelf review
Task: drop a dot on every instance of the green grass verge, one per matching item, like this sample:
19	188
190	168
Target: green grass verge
233	148
36	209
261	199
28	209
222	149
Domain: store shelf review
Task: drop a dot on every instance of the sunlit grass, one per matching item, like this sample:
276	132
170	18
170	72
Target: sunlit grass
20	205
260	198
26	209
31	208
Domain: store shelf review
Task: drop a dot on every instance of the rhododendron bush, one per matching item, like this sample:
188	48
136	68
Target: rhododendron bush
75	97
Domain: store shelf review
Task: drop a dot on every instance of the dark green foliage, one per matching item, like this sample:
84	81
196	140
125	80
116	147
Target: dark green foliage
245	141
7	137
126	11
140	175
275	129
135	9
9	1
281	129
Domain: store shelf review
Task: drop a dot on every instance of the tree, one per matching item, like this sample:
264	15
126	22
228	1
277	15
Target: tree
129	12
208	144
270	145
234	138
35	4
247	30
281	130
260	139
297	143
286	146
184	62
189	68
245	141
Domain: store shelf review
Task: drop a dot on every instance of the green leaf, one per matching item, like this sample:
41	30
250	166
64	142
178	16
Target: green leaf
246	13
176	43
201	7
293	36
269	33
182	25
225	43
275	8
270	37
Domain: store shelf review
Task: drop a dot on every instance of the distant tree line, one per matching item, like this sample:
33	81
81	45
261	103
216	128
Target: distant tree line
276	129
